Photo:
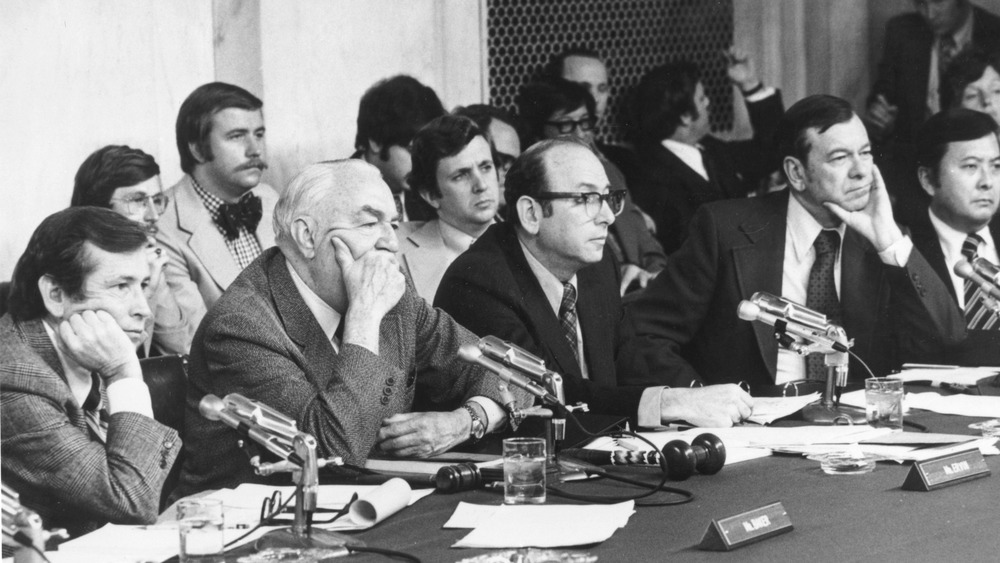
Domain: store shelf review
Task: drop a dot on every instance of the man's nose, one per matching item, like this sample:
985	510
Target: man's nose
388	240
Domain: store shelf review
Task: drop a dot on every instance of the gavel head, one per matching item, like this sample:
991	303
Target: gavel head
706	455
459	477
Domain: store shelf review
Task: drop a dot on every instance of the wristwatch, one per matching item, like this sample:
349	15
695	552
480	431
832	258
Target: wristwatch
478	426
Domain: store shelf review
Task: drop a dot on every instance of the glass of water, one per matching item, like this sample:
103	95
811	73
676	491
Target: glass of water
524	471
884	402
200	523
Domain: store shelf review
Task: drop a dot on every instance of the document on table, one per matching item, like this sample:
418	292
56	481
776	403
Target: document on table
768	409
954	375
964	405
543	525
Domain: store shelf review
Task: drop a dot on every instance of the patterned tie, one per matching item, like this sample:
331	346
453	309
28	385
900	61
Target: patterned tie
567	317
246	212
947	49
93	409
821	294
977	315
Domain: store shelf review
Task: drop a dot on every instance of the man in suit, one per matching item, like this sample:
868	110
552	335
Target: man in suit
959	167
829	242
543	280
390	114
682	166
453	171
325	329
79	441
213	228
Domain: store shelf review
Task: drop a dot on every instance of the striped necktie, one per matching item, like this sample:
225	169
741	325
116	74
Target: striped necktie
977	315
94	410
567	318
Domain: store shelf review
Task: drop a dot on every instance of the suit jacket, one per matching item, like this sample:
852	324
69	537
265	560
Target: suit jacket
491	290
53	459
424	255
262	341
906	64
200	266
671	192
980	347
687	318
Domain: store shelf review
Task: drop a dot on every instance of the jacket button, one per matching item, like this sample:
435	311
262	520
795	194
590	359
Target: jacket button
390	381
385	400
387	391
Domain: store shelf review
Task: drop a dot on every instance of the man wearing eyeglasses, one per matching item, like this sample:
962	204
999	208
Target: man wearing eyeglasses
543	280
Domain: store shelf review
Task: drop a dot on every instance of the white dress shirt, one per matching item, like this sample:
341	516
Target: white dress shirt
951	241
689	155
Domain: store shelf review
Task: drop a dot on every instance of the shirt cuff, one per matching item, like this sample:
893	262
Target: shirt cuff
761	94
496	417
898	253
129	394
649	407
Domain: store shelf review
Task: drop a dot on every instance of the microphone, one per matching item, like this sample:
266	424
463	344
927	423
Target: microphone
213	408
789	310
514	356
749	311
982	273
471	354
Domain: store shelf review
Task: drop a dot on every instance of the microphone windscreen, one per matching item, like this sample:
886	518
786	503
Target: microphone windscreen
748	311
210	407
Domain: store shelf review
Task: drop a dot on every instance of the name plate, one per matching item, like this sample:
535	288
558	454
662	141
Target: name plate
946	470
745	528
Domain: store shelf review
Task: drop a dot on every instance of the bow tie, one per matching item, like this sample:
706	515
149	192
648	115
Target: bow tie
244	213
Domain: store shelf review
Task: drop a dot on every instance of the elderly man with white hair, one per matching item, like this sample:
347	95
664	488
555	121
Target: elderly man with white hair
325	329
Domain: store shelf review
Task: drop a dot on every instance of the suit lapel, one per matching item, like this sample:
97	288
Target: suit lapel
424	259
300	324
860	288
597	317
38	338
205	240
925	238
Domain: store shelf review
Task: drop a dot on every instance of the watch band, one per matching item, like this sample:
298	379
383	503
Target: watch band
478	429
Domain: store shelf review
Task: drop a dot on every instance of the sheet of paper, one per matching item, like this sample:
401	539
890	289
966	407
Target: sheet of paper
965	405
953	375
468	515
768	409
157	542
548	525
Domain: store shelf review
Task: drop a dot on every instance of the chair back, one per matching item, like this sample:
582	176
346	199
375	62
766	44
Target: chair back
4	297
166	377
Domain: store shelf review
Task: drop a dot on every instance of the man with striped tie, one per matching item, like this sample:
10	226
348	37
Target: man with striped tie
958	160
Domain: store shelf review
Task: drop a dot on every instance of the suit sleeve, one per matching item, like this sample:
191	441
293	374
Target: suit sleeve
757	157
177	275
925	314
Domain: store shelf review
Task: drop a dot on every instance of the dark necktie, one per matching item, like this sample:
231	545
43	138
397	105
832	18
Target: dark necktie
244	213
977	315
94	412
821	294
947	49
567	317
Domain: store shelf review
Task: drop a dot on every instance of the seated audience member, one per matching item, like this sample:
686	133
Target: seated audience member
959	163
127	180
212	227
324	329
500	129
390	114
973	82
829	243
543	280
553	107
453	171
682	166
79	441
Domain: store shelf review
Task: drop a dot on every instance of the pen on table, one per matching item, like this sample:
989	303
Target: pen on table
929	366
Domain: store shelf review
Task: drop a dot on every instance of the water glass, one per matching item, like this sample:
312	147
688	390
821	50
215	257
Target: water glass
884	402
200	523
524	471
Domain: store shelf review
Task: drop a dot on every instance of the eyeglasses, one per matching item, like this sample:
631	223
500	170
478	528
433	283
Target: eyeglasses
566	127
139	203
591	200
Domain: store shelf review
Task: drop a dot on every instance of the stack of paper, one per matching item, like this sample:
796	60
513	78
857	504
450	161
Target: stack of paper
546	525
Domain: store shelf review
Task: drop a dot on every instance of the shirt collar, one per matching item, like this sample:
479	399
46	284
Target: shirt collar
326	316
803	228
951	238
454	238
552	287
211	202
77	377
963	35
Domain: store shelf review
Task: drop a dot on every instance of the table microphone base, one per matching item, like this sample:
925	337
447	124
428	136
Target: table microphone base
829	414
286	538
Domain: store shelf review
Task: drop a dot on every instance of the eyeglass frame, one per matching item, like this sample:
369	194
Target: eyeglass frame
145	202
586	124
586	198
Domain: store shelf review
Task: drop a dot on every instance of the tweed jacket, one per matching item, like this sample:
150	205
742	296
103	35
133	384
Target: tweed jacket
52	458
262	341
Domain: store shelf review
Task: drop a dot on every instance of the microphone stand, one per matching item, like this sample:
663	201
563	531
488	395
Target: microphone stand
24	529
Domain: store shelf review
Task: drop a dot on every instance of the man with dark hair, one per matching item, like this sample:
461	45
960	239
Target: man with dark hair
973	82
585	67
959	167
543	281
500	128
325	329
390	114
213	228
79	441
681	166
127	181
829	243
453	171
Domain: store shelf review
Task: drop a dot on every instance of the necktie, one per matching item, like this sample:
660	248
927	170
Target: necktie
93	409
821	294
244	213
947	49
977	315
567	317
400	208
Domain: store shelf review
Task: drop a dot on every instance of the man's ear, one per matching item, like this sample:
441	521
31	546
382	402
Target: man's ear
53	296
686	119
927	180
431	200
795	171
303	232
374	148
529	212
196	153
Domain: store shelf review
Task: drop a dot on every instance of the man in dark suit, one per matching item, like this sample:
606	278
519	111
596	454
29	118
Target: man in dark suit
959	161
543	281
682	166
325	329
79	441
829	242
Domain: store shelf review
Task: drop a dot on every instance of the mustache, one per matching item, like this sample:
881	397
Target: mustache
255	163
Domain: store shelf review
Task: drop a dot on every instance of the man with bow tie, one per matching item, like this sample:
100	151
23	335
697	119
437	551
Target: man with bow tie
212	228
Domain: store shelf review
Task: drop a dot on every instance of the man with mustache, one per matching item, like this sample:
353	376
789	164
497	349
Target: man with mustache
828	242
213	228
959	167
